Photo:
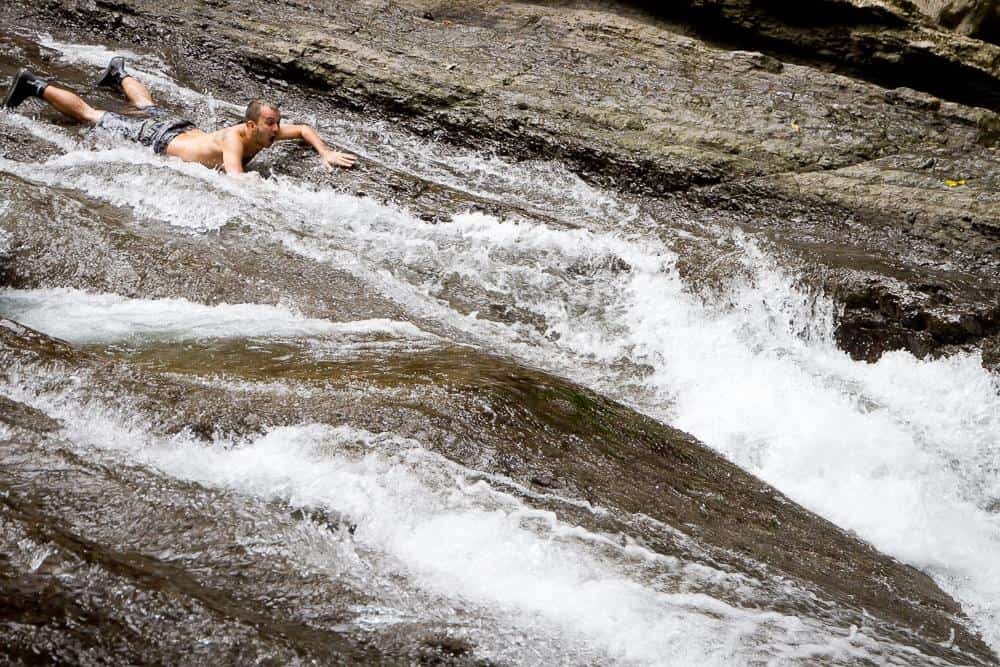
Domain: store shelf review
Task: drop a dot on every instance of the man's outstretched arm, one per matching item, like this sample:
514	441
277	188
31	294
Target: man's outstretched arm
307	134
232	153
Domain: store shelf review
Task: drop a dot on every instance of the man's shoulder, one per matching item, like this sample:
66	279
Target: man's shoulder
233	133
229	131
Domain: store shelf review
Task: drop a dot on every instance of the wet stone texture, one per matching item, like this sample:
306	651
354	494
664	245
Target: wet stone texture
837	138
534	429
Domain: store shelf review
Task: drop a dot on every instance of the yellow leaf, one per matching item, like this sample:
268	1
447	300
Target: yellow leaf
795	126
954	183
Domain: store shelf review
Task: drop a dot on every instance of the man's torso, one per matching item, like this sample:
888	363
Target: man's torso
205	147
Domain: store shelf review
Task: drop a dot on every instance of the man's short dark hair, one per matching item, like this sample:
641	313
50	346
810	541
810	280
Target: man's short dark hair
253	109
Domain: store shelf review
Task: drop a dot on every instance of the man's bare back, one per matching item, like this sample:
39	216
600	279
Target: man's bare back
233	147
230	148
199	146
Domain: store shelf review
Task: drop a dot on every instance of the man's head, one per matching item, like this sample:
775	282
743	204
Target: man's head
263	121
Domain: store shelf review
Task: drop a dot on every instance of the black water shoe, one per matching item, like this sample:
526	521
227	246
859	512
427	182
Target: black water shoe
113	73
24	85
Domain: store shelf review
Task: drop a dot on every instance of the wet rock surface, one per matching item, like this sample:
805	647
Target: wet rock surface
102	564
631	97
60	246
492	415
883	197
489	414
975	18
741	524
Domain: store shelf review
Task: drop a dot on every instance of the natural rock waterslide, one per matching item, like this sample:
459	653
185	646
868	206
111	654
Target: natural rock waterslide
295	421
853	176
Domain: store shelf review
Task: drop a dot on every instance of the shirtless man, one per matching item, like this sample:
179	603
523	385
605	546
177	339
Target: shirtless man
230	148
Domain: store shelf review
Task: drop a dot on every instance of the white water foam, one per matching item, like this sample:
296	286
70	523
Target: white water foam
453	534
83	317
758	378
188	196
868	446
904	452
538	186
742	378
43	131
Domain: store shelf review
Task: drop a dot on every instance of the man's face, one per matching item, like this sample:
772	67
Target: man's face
267	126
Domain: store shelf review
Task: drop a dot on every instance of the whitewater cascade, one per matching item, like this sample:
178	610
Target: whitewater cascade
905	453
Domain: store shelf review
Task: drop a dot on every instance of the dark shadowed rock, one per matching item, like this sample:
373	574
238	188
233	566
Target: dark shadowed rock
975	18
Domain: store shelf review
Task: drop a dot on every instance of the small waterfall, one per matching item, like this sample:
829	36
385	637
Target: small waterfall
580	283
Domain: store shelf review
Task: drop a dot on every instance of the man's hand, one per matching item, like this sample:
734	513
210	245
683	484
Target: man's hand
335	159
307	134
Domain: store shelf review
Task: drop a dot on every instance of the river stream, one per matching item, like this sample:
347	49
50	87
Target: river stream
546	272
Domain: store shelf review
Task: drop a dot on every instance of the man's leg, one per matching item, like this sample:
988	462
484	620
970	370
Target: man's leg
70	104
115	76
136	92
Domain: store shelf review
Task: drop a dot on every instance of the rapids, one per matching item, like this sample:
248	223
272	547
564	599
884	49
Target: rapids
544	271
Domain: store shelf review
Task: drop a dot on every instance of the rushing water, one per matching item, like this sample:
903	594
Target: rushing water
904	452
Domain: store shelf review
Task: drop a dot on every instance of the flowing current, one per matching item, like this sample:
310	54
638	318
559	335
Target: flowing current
905	453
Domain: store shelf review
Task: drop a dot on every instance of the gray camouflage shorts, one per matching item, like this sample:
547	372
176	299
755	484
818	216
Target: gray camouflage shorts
157	129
